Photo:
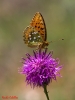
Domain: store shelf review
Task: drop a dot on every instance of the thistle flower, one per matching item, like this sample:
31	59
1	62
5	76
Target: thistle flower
40	68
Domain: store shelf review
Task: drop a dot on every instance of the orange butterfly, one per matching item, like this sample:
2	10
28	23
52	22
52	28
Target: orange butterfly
35	34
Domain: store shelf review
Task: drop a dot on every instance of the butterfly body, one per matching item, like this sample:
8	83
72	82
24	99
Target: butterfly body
35	34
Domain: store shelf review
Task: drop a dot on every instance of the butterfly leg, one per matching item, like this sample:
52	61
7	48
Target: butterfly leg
46	47
39	46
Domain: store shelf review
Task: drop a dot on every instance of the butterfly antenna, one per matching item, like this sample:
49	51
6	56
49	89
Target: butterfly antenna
55	40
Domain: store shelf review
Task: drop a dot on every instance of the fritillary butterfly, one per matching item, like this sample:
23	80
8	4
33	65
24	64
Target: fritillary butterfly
35	34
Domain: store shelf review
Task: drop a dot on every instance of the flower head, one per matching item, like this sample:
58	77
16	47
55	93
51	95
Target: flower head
40	68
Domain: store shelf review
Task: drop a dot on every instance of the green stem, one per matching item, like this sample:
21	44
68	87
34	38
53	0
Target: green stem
45	91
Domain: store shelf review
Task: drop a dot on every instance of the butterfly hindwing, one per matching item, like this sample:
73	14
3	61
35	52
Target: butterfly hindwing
26	32
32	37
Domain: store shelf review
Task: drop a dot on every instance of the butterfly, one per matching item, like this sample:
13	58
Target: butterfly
35	34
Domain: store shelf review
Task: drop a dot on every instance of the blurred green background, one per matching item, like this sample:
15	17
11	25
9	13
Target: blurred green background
59	17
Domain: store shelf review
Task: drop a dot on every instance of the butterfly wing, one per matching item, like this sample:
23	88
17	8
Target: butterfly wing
39	24
26	32
32	37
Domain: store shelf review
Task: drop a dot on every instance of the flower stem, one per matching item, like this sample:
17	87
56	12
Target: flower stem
45	91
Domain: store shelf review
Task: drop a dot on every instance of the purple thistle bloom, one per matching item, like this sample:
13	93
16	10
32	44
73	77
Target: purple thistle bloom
40	68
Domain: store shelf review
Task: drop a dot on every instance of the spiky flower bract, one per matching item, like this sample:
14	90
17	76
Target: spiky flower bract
40	68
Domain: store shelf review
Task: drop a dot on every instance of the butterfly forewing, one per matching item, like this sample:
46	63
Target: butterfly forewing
39	24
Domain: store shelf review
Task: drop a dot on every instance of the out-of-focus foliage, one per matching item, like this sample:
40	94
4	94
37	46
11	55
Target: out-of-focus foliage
59	17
